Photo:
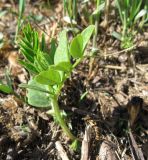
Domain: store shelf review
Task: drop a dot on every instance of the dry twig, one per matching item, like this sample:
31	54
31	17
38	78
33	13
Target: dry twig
86	144
135	150
61	151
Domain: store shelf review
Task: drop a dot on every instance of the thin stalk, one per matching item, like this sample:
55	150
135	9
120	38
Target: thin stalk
97	19
106	16
77	62
124	25
74	10
69	9
64	7
20	16
120	11
56	109
17	29
68	75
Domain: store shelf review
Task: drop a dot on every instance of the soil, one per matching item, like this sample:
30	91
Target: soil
115	82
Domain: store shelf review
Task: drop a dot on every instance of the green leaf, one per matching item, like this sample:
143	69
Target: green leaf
83	95
38	65
117	35
2	13
61	54
141	14
43	43
27	32
26	42
21	7
43	60
63	66
52	50
8	79
86	34
35	41
49	77
38	98
30	67
99	9
35	87
75	145
5	88
26	51
26	55
76	47
48	59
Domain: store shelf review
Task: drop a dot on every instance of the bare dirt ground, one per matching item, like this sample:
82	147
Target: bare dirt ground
116	82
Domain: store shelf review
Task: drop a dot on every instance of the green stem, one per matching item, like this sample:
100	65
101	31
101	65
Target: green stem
68	75
124	26
97	20
55	107
17	29
77	62
64	7
75	10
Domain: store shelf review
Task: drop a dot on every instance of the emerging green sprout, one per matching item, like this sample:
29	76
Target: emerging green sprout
50	70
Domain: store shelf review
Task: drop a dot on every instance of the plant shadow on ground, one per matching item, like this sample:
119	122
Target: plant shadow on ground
76	108
116	125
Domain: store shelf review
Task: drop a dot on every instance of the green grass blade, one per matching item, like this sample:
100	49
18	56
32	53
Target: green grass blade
21	8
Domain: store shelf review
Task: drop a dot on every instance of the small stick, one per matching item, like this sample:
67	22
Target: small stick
115	67
86	144
125	50
136	151
61	151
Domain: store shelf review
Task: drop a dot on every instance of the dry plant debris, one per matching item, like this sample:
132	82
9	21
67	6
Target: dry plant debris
108	92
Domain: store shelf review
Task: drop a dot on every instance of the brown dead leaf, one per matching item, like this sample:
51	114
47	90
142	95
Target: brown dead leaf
16	69
134	107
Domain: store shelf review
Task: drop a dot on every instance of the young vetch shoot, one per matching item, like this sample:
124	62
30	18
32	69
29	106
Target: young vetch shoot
49	71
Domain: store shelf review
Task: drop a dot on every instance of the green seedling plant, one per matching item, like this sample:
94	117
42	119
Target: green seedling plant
96	16
131	12
20	17
70	9
7	87
49	70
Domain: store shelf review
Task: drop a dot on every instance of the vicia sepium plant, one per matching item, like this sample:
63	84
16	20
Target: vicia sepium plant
50	70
